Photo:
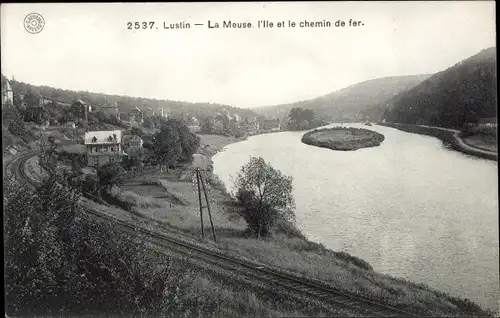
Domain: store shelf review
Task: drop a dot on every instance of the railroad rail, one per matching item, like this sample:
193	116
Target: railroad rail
272	277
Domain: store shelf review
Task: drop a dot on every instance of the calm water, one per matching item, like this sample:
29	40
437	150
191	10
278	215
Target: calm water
410	207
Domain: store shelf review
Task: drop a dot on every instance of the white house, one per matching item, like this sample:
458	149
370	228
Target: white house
7	93
103	147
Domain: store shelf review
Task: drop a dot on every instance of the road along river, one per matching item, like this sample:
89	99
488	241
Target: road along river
410	207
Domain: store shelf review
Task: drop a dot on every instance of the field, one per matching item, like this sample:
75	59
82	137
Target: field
173	200
342	138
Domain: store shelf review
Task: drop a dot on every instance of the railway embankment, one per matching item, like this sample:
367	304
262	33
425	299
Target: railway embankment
290	253
448	136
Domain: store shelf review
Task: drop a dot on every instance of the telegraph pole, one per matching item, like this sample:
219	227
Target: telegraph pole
199	200
42	154
199	179
208	205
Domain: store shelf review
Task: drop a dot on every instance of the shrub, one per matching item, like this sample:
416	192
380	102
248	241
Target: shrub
58	262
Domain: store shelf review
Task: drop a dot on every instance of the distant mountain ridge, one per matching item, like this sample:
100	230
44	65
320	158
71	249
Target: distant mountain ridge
462	93
353	102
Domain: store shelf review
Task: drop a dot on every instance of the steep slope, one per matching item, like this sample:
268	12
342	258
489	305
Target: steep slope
352	102
459	94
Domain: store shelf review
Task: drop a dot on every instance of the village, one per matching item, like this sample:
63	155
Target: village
107	134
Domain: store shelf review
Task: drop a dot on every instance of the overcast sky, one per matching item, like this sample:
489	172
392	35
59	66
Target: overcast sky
88	47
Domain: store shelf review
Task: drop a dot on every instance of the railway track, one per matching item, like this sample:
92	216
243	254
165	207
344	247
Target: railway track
269	276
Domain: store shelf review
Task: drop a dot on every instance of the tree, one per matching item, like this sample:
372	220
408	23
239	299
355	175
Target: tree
16	99
32	100
136	131
109	175
38	233
167	145
207	125
174	142
149	123
11	118
264	195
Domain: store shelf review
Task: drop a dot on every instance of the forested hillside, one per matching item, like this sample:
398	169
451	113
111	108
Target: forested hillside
352	103
127	103
460	94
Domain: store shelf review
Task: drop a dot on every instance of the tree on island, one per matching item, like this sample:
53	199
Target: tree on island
264	196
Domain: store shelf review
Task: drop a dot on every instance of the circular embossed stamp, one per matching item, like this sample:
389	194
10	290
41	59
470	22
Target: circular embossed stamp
34	23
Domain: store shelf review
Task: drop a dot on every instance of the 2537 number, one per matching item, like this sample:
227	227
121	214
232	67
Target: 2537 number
140	25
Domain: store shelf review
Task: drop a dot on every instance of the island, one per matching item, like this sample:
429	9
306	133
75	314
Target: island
343	138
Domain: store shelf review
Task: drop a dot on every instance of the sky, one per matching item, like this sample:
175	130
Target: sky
88	47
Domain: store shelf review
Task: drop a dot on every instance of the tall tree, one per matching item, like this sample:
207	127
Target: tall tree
265	196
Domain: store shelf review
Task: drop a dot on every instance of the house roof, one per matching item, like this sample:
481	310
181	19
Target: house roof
103	137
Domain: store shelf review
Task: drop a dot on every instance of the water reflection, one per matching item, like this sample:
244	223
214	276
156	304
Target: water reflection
411	207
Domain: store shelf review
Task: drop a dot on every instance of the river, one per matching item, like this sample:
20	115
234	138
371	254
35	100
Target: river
410	207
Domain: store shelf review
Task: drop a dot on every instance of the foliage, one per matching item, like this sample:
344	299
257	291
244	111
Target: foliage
136	131
347	104
38	237
35	111
131	161
207	126
59	263
12	120
109	175
174	142
265	196
149	123
461	94
303	119
127	104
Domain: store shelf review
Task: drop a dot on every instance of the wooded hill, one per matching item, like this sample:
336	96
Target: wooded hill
462	93
127	103
352	103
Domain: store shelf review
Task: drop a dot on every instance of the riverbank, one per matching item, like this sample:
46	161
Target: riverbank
343	138
288	250
448	136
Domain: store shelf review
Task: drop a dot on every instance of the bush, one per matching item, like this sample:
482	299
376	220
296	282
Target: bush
59	262
110	174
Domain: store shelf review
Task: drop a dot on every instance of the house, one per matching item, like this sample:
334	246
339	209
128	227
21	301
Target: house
81	109
7	93
103	147
111	110
69	124
132	144
137	115
490	122
194	128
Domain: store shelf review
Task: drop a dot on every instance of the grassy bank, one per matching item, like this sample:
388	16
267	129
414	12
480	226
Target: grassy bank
482	141
449	137
343	138
172	198
67	263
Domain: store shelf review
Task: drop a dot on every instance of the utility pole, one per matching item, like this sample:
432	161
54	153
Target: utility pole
199	200
200	180
42	153
208	206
